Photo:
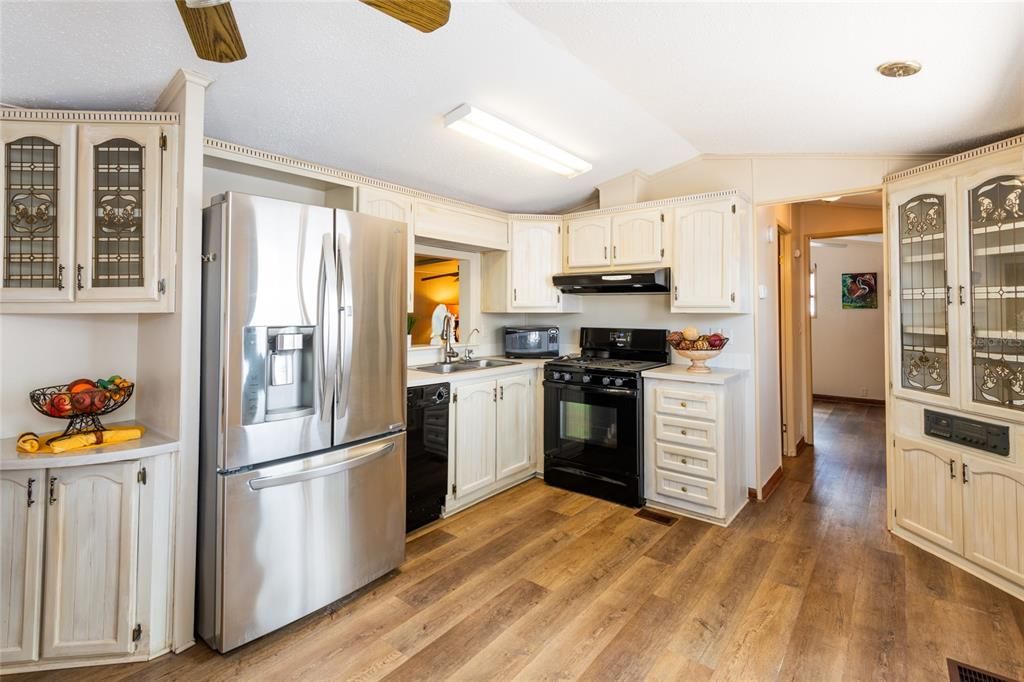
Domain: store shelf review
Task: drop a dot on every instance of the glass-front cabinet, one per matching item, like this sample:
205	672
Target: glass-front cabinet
993	277
88	217
924	264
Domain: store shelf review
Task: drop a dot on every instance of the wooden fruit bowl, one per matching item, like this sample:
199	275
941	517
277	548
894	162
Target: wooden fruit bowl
83	408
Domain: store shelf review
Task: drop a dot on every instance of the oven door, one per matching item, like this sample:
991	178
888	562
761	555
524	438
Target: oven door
592	440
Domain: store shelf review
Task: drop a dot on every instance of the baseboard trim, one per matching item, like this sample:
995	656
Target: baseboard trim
768	488
843	399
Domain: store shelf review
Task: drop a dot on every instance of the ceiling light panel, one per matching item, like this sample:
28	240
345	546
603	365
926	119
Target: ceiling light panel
490	129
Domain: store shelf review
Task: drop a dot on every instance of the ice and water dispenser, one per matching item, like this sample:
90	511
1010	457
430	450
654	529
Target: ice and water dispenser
279	373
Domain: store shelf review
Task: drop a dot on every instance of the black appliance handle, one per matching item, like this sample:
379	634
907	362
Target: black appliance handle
592	389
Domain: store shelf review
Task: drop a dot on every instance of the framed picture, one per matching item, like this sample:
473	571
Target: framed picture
860	290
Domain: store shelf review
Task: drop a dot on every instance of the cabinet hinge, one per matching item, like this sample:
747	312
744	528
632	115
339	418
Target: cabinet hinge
163	141
137	632
663	253
455	398
662	220
161	286
559	229
785	429
453	488
141	476
734	208
208	257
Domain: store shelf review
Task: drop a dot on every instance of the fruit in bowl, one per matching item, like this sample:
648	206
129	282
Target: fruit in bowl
697	348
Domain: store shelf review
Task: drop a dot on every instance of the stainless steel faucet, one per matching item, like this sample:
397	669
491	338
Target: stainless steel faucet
468	353
447	331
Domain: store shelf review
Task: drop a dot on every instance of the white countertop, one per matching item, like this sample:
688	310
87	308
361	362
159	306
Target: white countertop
152	443
416	378
678	372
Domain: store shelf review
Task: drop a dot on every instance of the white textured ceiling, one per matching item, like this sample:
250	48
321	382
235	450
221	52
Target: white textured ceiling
623	85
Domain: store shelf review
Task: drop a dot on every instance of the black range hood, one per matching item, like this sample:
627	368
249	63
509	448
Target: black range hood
640	282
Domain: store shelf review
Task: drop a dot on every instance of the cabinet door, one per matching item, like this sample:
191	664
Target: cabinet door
38	162
119	213
536	257
925	304
384	204
590	242
992	211
637	238
994	517
91	560
21	557
474	436
706	259
515	425
928	495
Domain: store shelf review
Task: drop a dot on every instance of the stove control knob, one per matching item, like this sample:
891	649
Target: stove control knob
556	376
606	381
586	378
618	382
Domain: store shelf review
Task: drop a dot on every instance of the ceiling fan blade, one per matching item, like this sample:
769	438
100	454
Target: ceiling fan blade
422	15
213	31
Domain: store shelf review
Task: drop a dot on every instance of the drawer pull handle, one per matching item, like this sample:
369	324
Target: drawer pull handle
683	488
682	431
682	403
682	460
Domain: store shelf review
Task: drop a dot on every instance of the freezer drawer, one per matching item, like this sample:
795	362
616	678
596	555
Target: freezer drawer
300	535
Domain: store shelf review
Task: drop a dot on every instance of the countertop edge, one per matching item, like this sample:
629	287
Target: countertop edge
416	378
678	372
151	444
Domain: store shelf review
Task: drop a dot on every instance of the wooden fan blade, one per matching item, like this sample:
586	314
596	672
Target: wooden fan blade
422	15
213	31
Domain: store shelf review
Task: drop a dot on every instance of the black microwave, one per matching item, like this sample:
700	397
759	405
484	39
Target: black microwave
531	342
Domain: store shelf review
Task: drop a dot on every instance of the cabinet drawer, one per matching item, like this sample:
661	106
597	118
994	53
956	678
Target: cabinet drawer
685	431
686	403
684	460
704	494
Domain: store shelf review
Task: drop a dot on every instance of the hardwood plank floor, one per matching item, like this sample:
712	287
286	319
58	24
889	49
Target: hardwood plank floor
542	584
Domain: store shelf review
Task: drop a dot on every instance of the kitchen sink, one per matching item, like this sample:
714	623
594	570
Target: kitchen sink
464	365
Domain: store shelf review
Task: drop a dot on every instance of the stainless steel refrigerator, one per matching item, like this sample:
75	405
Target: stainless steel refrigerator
302	443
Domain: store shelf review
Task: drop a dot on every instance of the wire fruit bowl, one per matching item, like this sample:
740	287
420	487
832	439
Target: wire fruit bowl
698	351
82	408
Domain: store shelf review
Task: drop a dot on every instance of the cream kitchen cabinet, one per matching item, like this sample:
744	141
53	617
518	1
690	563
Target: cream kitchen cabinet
90	221
459	226
520	279
494	436
927	492
707	258
993	516
589	242
393	206
91	560
21	563
637	238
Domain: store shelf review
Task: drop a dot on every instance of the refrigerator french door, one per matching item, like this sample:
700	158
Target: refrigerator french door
302	446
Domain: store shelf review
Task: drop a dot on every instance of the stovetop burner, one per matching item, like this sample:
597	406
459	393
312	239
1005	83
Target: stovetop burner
593	362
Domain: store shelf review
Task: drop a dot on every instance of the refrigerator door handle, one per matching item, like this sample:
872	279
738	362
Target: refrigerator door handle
327	314
346	314
319	472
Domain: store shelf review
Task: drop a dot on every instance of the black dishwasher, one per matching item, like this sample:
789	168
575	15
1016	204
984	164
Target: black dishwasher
426	472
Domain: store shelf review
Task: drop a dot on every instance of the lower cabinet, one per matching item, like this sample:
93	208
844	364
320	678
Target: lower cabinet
494	436
966	504
78	586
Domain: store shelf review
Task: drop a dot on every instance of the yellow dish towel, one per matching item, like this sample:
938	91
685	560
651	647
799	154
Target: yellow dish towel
82	441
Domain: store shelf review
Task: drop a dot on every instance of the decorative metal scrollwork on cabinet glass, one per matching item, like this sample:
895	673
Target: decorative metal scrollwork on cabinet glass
117	214
30	237
924	295
996	217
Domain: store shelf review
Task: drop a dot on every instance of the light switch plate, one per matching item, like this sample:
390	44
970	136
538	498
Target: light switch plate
762	291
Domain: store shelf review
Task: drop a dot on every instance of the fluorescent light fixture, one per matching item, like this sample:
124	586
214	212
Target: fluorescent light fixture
487	128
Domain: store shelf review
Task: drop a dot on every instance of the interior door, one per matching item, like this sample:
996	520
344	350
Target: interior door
706	258
928	495
371	266
384	204
589	242
536	259
514	425
119	200
994	516
92	525
637	238
22	504
475	433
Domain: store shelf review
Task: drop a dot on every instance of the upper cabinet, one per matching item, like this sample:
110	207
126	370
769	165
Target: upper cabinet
452	225
393	206
589	242
89	222
707	258
521	279
637	238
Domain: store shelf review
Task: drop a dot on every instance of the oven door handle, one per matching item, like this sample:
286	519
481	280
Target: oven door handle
592	389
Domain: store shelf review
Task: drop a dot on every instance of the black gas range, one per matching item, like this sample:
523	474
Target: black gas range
593	413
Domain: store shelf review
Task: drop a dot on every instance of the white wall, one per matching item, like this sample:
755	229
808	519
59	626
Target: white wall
847	346
44	350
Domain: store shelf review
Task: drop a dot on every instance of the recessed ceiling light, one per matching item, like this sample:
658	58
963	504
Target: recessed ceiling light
831	199
488	128
898	69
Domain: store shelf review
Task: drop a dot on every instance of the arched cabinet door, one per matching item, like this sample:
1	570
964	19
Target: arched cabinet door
994	516
927	492
589	242
38	165
22	505
637	238
394	206
119	214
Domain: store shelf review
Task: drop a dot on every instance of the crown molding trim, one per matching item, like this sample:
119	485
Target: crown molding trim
56	115
1002	145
